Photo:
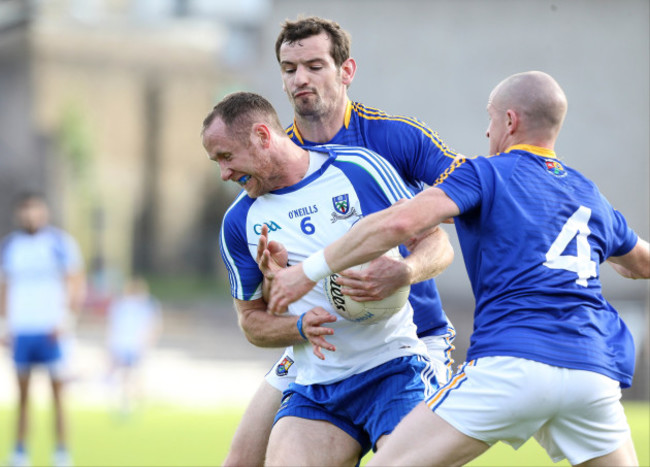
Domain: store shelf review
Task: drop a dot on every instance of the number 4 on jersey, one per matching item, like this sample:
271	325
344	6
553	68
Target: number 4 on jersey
582	264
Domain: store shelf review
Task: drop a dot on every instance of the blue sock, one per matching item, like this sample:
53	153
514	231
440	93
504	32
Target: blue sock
20	447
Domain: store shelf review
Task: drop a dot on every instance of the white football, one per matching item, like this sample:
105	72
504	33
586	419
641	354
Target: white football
366	312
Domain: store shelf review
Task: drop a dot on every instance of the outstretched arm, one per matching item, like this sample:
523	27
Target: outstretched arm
369	238
635	264
431	253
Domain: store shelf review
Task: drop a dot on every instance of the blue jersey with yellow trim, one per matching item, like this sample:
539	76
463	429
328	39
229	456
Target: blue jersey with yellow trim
533	233
347	184
420	157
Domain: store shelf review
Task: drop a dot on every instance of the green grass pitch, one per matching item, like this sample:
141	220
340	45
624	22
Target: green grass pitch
168	436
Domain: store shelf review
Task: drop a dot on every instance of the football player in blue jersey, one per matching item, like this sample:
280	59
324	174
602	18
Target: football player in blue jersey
361	379
316	68
548	355
41	284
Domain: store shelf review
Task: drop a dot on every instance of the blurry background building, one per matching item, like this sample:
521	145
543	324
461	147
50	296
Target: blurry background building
101	104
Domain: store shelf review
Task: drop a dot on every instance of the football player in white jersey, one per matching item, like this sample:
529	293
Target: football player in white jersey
41	284
316	70
548	355
133	327
357	380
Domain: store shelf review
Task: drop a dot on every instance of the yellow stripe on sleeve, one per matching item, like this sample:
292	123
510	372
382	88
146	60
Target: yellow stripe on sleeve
370	113
449	170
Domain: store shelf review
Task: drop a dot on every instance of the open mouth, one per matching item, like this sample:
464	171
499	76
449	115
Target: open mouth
242	181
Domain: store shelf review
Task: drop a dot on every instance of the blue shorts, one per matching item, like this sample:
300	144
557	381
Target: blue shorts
34	349
126	358
366	405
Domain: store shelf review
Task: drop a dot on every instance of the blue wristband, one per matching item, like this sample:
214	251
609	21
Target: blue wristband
299	325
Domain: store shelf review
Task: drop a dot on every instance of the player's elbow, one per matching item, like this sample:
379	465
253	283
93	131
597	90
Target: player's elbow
249	330
642	272
447	255
629	273
255	335
636	263
256	339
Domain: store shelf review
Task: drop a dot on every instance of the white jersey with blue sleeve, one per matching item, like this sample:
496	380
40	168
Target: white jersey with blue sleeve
419	156
351	183
131	320
34	267
533	233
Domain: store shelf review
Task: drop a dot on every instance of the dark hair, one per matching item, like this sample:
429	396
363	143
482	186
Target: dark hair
28	196
303	28
240	110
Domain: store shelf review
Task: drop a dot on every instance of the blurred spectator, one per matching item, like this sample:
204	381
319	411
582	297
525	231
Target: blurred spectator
42	286
134	324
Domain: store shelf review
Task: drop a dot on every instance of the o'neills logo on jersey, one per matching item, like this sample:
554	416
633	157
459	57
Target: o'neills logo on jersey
555	168
306	211
272	225
342	209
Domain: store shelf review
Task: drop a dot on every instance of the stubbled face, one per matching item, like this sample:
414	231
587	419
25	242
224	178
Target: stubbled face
497	131
244	163
310	77
32	215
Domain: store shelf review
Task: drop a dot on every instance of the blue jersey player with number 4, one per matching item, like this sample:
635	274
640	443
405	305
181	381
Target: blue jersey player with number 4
549	354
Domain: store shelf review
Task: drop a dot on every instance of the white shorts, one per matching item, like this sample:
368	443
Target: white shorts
439	348
573	414
283	372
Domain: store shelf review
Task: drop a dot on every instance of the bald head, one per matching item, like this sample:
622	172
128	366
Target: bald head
538	101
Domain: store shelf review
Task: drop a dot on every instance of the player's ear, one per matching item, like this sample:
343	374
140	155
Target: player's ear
348	69
512	121
262	134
